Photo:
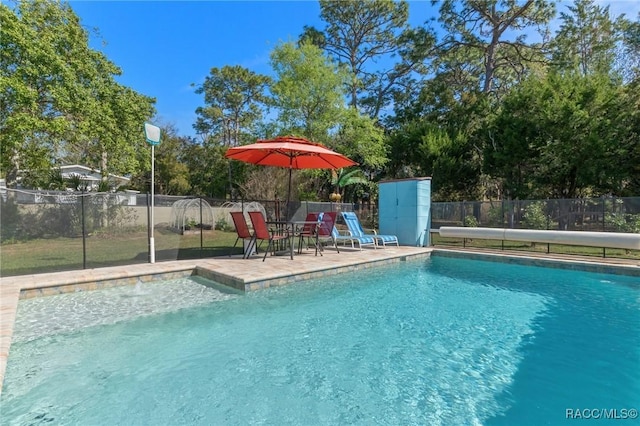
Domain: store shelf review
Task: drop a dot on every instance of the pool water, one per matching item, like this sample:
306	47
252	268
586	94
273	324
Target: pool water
443	342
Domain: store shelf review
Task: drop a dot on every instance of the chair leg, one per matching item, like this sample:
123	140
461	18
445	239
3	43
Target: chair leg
234	246
290	240
335	244
300	242
318	246
267	250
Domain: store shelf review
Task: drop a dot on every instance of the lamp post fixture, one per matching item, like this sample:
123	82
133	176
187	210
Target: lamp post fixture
152	133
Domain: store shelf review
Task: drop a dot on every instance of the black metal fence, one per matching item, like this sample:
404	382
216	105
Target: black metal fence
45	231
603	214
586	214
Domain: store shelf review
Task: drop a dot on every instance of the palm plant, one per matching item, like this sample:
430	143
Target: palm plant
56	181
343	178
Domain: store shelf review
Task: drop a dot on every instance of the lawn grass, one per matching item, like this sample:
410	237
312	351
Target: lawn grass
63	254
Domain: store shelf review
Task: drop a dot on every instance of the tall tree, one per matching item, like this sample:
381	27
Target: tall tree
172	173
482	53
309	90
485	45
235	99
360	139
631	45
312	35
208	169
441	147
114	143
57	94
624	131
587	39
558	137
363	35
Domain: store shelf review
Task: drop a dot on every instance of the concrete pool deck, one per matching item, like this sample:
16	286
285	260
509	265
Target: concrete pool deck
254	274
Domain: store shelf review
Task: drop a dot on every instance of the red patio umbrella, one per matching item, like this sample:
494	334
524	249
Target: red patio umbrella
291	152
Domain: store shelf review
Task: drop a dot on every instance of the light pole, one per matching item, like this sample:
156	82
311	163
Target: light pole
152	133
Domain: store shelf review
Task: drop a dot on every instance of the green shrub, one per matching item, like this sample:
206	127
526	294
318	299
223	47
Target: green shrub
623	222
496	217
470	221
221	225
534	216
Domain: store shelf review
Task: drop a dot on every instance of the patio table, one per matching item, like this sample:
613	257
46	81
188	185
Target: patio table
294	227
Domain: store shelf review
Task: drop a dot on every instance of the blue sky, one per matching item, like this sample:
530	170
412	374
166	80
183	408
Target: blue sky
163	47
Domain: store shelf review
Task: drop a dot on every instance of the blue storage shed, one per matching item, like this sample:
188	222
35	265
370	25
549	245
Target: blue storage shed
404	208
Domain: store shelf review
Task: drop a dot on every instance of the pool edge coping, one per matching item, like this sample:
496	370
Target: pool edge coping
587	265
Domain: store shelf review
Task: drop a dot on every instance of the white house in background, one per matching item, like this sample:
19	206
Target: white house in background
92	177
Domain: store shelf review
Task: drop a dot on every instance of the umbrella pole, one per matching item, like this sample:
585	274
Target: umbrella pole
286	213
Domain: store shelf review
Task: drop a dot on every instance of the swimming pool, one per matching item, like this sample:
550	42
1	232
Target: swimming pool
442	341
